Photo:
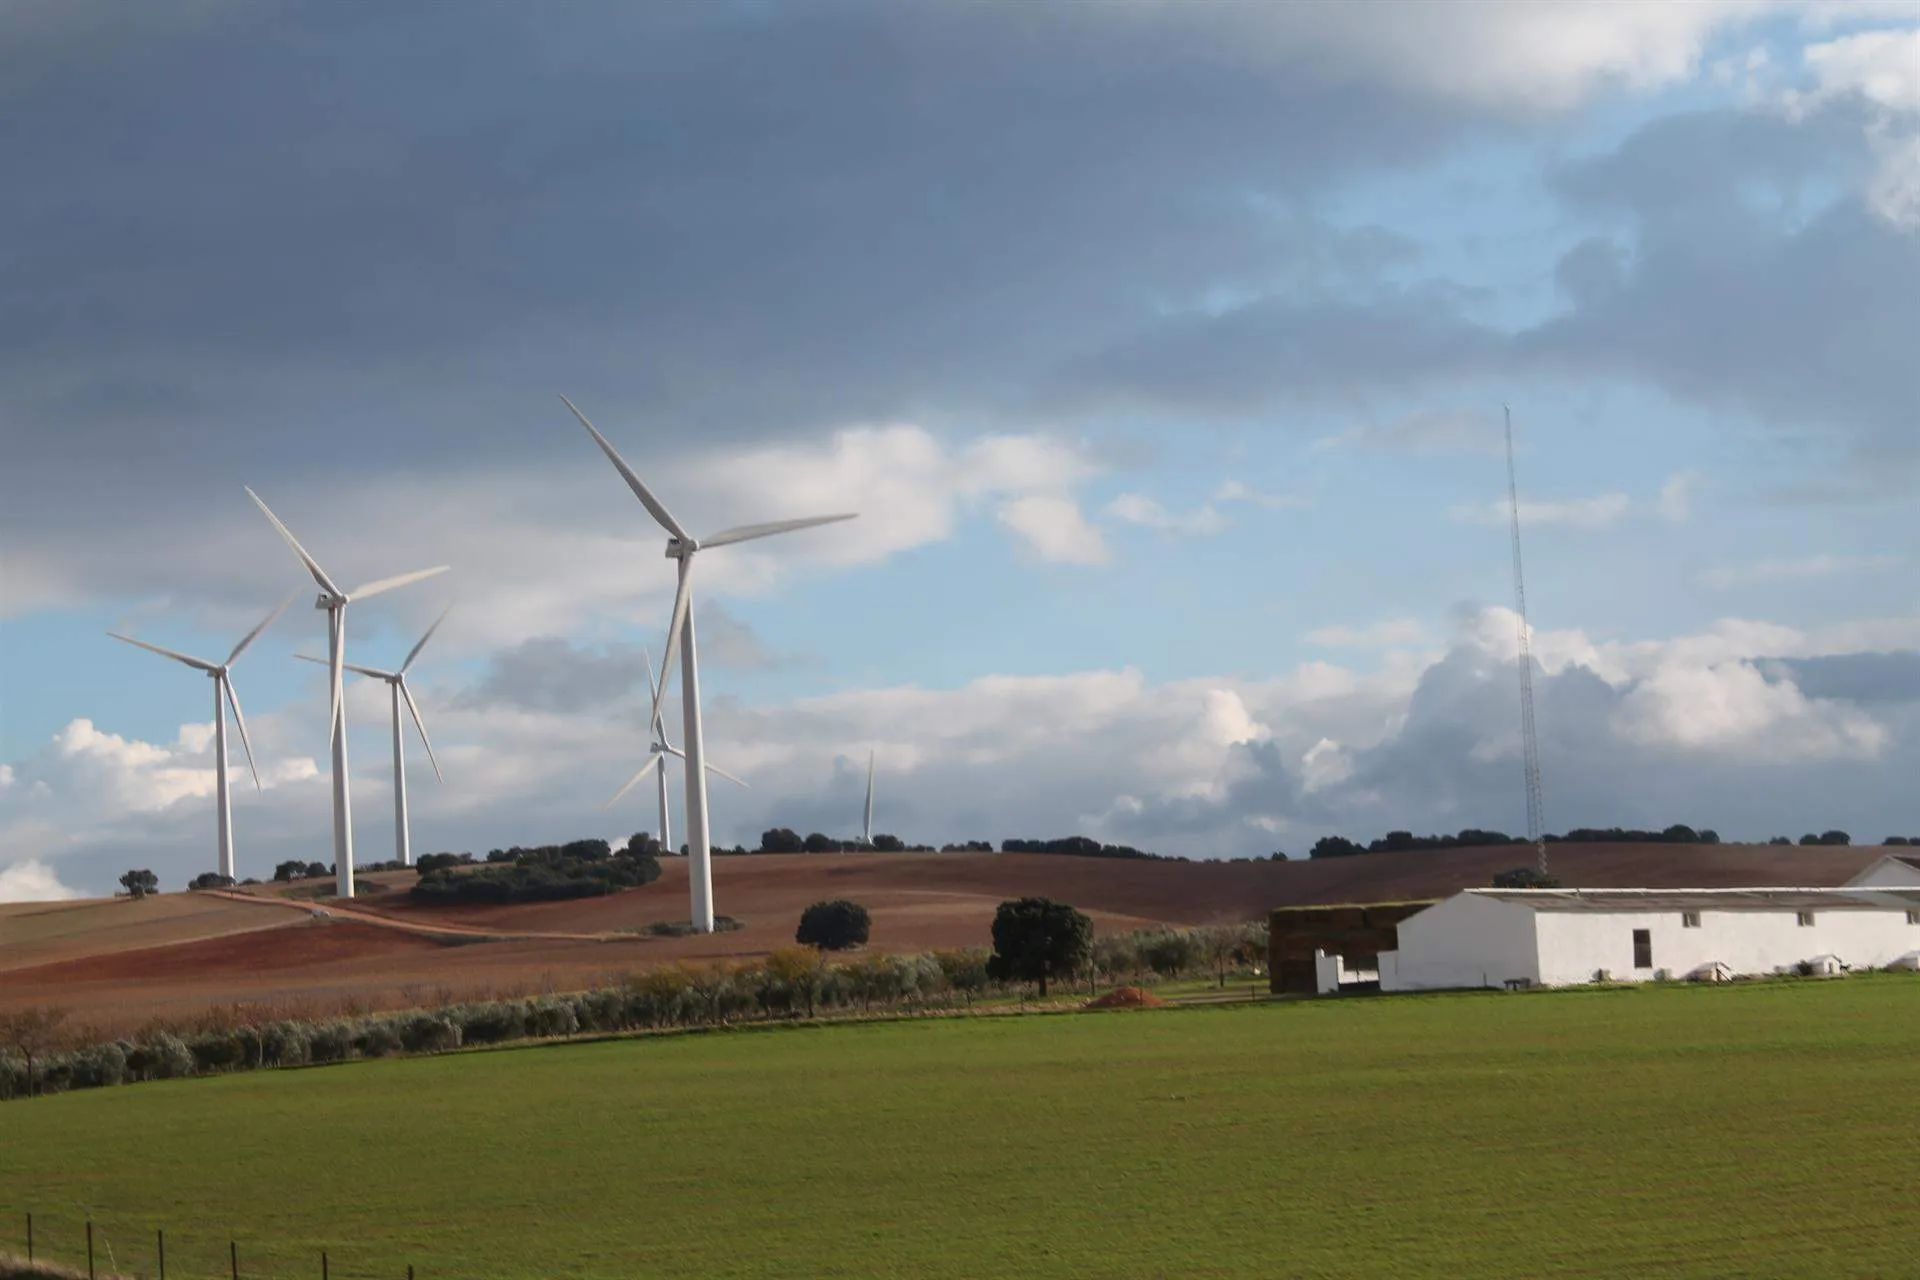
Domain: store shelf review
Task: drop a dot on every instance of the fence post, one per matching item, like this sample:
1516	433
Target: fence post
233	1255
29	1237
161	1237
89	1249
323	1264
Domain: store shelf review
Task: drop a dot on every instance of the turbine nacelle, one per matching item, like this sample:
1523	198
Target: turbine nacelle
681	548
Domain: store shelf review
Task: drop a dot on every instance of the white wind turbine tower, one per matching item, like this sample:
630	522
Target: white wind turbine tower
398	691
222	688
658	746
334	602
683	546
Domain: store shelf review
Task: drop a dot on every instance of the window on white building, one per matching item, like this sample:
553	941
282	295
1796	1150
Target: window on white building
1913	917
1689	919
1643	948
1806	919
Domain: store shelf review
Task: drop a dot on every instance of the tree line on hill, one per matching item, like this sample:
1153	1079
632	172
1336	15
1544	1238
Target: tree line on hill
1474	838
544	873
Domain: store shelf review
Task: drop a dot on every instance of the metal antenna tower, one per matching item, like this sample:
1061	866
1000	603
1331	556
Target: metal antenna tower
1530	741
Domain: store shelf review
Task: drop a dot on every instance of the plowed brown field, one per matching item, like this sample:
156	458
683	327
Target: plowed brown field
120	964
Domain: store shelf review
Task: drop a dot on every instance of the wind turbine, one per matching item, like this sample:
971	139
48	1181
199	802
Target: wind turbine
866	830
683	546
334	602
222	687
398	691
659	746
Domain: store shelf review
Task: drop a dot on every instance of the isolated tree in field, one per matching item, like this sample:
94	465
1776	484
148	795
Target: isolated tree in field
833	926
140	883
1037	939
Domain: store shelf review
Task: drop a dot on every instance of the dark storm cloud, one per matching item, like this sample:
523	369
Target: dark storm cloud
1741	283
1865	678
293	235
1737	271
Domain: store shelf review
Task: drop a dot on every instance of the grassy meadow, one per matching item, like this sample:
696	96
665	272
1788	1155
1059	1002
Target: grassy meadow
1760	1130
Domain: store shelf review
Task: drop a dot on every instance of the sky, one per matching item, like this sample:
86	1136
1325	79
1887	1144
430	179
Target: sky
1161	347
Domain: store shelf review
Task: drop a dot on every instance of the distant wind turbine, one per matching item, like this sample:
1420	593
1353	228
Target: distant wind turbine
222	688
683	546
866	828
658	746
398	691
334	602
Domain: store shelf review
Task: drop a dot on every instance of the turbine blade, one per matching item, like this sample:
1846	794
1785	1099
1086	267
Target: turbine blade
748	532
240	723
653	687
313	566
336	653
195	663
678	754
640	491
398	580
415	651
653	762
674	626
421	725
348	666
714	768
255	633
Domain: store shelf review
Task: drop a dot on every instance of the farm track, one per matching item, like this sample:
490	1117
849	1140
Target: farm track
331	908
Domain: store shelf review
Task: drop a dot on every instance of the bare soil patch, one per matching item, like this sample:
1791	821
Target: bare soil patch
1127	998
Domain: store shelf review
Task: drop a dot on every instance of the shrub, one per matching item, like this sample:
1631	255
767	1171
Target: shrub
490	1023
1525	878
216	1051
140	883
441	861
210	880
1170	952
98	1065
603	1010
551	1017
428	1033
833	926
284	1044
376	1038
963	971
167	1057
330	1042
13	1077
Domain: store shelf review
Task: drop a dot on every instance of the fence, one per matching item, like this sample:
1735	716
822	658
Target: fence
82	1244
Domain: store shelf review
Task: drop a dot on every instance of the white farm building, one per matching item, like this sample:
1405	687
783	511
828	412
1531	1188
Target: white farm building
1561	937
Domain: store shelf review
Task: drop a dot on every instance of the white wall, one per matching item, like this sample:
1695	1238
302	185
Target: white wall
1466	941
1889	872
1573	944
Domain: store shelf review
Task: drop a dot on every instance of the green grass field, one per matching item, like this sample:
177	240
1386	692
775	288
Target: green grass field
1760	1130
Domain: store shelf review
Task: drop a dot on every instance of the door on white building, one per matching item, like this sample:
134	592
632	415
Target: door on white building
1643	948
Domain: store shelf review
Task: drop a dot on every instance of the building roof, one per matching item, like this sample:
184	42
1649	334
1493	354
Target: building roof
1751	899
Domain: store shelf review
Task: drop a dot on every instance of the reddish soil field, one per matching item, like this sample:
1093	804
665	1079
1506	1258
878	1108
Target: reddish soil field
369	955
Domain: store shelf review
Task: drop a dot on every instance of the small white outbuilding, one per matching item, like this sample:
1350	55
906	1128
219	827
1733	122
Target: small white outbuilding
1563	937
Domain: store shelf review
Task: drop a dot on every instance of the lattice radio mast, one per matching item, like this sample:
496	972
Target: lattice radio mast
1530	741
